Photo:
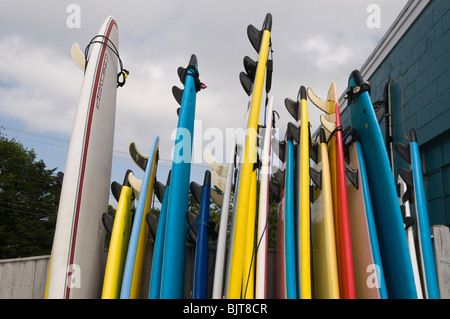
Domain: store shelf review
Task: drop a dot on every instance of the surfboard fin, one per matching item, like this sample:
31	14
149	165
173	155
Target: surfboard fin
159	190
279	148
314	193
220	169
108	222
316	177
137	157
116	188
328	125
219	181
216	198
135	184
292	107
177	94
321	104
293	132
352	176
246	83
196	191
407	177
255	36
250	67
279	175
257	164
78	56
404	151
313	150
152	222
274	190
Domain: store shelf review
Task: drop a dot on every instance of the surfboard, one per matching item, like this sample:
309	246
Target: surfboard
394	251
223	227
131	282
201	250
367	263
331	121
409	222
261	42
416	192
323	238
248	273
291	276
118	246
280	193
299	111
237	177
172	279
76	269
263	209
155	277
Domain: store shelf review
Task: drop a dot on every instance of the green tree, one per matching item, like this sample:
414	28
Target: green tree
29	197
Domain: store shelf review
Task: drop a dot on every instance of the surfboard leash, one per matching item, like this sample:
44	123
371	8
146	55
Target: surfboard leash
101	39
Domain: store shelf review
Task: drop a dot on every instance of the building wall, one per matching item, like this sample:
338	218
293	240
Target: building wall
419	69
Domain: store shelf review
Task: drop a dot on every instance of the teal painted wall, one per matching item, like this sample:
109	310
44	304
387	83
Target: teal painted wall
419	68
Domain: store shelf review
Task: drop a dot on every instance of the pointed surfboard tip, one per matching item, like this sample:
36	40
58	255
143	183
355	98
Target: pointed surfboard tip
355	79
412	135
193	61
302	93
268	22
207	178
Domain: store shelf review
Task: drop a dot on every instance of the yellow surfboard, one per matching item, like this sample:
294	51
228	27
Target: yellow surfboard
119	243
325	268
236	267
305	257
248	275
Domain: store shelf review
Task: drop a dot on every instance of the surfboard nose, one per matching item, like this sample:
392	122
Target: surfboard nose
355	79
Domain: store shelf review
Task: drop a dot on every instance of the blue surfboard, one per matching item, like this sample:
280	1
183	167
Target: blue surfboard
395	256
131	266
416	194
291	278
174	245
201	251
155	277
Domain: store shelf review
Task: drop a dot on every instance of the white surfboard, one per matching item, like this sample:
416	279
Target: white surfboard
76	269
223	227
410	237
264	209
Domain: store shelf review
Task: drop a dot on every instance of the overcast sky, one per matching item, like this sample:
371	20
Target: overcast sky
314	43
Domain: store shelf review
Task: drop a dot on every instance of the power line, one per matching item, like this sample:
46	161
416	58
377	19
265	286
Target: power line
67	145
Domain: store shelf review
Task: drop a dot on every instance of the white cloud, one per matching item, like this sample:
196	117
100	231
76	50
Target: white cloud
38	86
315	43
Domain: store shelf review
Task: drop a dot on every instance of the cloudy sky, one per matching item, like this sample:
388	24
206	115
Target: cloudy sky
314	43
